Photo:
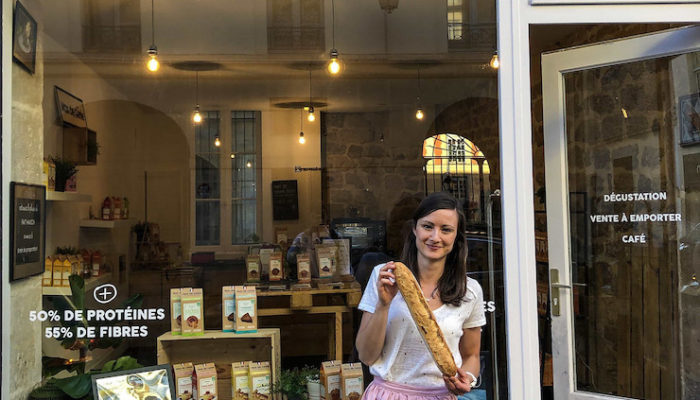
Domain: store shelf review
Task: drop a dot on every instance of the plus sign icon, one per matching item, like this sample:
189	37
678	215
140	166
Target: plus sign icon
105	293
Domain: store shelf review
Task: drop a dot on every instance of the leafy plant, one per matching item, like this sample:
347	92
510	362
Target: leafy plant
292	382
64	170
80	386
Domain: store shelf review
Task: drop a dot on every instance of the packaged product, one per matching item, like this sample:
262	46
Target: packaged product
175	311
228	309
351	381
192	300
96	262
260	379
86	263
330	380
76	267
245	299
265	253
240	381
183	381
325	255
57	271
205	381
281	236
276	266
303	268
66	272
252	263
47	278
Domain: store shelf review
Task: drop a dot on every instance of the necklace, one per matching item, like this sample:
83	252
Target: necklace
433	294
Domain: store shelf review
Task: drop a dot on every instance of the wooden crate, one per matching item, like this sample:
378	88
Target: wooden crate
223	348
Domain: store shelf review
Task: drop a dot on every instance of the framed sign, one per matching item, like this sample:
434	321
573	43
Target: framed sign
285	200
28	230
24	38
152	383
70	109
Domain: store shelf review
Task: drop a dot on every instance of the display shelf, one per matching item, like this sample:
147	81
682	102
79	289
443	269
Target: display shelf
67	196
90	284
223	349
103	224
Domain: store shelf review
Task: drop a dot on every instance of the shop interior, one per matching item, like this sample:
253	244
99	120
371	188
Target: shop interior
242	142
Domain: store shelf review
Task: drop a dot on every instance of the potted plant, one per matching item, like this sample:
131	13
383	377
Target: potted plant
64	171
293	383
313	383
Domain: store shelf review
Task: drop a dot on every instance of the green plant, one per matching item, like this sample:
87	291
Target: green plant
64	170
292	382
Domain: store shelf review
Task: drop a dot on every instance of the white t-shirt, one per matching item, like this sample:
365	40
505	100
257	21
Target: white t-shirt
405	359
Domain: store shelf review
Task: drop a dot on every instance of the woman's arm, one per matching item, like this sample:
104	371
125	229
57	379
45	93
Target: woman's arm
469	348
370	336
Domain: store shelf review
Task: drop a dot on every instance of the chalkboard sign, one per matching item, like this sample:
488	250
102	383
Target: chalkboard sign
28	223
285	200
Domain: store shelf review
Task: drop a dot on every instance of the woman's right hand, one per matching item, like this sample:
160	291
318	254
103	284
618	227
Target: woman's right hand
386	284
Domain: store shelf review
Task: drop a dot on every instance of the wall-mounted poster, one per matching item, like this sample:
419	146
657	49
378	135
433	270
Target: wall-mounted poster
285	200
24	38
28	229
689	119
150	383
70	109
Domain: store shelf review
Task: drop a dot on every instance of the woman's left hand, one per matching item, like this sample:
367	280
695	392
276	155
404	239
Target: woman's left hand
459	384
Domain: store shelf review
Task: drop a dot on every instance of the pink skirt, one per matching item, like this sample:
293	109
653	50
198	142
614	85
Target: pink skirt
380	389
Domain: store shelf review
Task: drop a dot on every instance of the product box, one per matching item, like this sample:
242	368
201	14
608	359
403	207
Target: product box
175	311
65	272
57	271
260	380
252	263
47	278
276	267
183	381
228	309
330	380
245	299
352	383
303	268
325	255
240	381
192	300
205	382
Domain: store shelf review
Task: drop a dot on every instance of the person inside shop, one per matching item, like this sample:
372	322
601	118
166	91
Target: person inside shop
435	250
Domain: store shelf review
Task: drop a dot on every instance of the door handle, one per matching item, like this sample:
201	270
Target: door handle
555	285
561	285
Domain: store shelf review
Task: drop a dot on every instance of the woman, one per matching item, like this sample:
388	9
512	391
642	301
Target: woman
388	340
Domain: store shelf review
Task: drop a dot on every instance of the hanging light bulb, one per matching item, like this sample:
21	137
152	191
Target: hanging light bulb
334	66
217	141
419	114
302	140
152	52
233	156
249	164
495	62
197	116
311	117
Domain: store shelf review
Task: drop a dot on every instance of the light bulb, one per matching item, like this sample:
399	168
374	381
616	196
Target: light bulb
302	140
419	114
233	156
495	62
196	117
311	117
334	65
217	142
248	164
153	63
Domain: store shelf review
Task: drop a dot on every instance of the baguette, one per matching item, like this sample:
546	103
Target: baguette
424	319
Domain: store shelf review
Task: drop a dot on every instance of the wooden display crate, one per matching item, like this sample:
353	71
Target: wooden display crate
223	349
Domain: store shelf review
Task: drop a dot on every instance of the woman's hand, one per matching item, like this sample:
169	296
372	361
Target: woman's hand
386	284
459	384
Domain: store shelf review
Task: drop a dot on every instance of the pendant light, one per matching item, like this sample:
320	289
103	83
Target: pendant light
217	141
197	117
302	140
310	117
495	62
334	64
419	108
153	63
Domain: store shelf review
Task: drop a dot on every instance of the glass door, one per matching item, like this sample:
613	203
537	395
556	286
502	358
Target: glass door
622	154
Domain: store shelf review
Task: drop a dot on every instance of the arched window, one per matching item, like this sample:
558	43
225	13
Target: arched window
455	164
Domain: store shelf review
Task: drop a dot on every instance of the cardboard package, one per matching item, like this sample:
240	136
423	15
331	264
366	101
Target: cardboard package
205	382
276	267
245	298
260	379
240	381
183	381
253	269
192	300
228	308
352	382
175	311
303	268
47	278
330	380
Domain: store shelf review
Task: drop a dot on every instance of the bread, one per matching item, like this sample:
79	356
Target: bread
424	319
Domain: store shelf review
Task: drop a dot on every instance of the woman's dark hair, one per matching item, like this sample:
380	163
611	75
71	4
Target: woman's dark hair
453	282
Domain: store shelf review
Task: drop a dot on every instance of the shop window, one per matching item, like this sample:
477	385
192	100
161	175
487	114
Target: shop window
244	176
295	25
111	26
471	25
454	164
207	181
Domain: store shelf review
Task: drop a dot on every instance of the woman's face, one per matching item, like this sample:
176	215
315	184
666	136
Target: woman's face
436	234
